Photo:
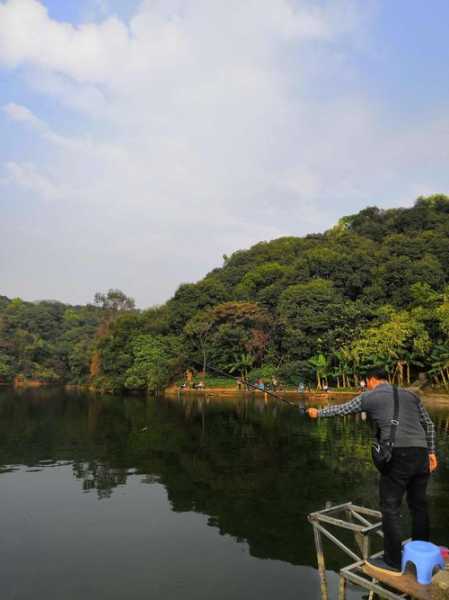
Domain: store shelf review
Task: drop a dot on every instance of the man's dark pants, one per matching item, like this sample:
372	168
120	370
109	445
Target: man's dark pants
408	472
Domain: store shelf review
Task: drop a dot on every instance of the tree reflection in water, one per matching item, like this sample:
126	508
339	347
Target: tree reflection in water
255	468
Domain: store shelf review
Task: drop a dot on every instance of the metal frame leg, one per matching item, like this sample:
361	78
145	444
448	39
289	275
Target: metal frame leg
321	563
342	588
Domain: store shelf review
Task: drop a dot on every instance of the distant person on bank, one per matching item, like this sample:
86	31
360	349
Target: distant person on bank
413	459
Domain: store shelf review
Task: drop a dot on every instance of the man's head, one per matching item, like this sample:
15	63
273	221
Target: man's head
375	376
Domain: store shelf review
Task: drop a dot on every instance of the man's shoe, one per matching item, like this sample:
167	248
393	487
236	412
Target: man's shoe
380	565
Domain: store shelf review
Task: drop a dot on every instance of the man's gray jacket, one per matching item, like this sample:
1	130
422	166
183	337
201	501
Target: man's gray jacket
415	426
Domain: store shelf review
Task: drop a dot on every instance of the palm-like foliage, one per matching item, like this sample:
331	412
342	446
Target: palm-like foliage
440	364
242	364
320	365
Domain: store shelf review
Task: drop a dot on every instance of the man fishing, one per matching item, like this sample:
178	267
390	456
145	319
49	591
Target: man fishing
413	458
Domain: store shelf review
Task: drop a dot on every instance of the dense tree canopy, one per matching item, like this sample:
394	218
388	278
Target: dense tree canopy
372	290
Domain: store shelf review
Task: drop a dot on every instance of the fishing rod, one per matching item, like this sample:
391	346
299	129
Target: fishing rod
256	387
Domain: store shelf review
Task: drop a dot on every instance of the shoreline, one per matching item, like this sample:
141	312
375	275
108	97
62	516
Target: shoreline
430	396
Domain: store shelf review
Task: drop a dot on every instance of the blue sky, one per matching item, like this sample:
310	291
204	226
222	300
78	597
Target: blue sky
141	140
411	35
82	11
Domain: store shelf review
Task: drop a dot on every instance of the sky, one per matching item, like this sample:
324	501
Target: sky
141	140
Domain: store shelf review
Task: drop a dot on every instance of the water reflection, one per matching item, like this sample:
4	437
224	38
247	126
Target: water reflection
253	468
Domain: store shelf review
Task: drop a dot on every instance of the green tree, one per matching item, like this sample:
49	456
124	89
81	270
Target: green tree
242	363
6	370
442	313
307	313
264	283
392	343
199	328
320	366
440	364
155	362
114	301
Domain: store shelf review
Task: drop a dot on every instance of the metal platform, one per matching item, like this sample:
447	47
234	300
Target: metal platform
364	523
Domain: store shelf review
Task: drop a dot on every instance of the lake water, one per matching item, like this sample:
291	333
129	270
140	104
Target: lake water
142	498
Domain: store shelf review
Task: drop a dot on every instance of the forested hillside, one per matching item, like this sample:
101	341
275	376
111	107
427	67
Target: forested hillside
46	341
372	290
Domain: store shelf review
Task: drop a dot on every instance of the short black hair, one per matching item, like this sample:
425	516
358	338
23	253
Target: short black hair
377	373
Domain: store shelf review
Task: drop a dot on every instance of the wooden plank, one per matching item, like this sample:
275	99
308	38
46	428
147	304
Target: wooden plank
366	547
372	586
361	519
337	542
405	583
337	507
367	511
340	523
374	528
440	586
321	563
342	588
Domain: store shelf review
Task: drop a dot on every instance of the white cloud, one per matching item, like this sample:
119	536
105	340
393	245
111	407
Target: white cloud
88	99
190	131
161	36
29	177
20	113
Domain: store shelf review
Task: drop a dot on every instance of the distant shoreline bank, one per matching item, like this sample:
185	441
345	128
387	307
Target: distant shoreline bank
438	397
434	397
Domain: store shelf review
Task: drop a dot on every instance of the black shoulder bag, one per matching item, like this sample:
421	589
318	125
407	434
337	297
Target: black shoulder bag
382	452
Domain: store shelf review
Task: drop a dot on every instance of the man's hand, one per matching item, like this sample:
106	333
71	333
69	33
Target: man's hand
313	413
433	462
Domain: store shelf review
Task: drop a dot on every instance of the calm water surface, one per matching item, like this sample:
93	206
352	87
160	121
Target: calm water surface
112	498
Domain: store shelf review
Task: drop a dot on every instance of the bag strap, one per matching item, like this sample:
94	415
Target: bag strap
395	420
